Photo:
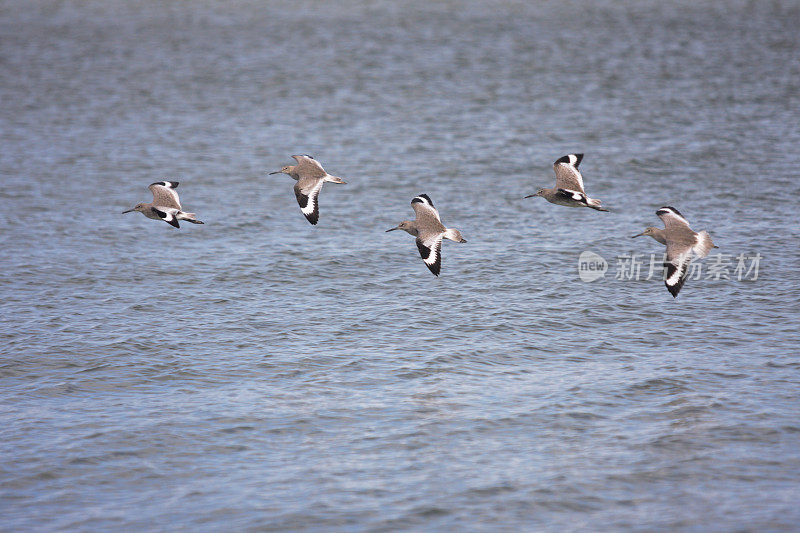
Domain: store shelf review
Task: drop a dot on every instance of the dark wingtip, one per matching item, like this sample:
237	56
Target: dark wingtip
676	288
660	209
565	159
416	199
165	183
673	290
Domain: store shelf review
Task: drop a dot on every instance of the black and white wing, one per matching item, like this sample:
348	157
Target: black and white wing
677	265
567	174
165	195
423	207
168	215
308	167
574	195
307	193
673	219
430	249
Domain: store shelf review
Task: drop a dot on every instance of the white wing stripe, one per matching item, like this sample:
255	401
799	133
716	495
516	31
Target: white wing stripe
309	208
679	264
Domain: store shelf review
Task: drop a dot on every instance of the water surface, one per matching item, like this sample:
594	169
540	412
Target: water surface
258	373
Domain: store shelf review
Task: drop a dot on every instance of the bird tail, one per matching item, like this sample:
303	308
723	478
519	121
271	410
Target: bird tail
704	244
454	235
188	217
334	179
595	204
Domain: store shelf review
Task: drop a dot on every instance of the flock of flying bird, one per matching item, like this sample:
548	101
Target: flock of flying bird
681	241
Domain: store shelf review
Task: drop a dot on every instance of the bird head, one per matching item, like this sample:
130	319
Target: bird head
648	231
137	207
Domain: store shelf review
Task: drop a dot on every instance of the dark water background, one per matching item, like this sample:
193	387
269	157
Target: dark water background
258	373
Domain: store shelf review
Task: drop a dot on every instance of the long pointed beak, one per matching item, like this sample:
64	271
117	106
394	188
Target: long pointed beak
639	235
388	230
128	211
530	196
276	172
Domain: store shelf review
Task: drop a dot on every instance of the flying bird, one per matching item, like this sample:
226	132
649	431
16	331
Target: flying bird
166	205
569	185
682	243
310	177
429	231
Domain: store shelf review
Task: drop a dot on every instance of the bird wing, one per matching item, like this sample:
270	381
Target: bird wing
308	167
567	174
306	190
673	219
168	215
680	236
573	195
423	207
430	249
677	264
164	194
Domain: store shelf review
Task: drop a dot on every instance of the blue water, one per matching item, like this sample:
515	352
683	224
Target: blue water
258	373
